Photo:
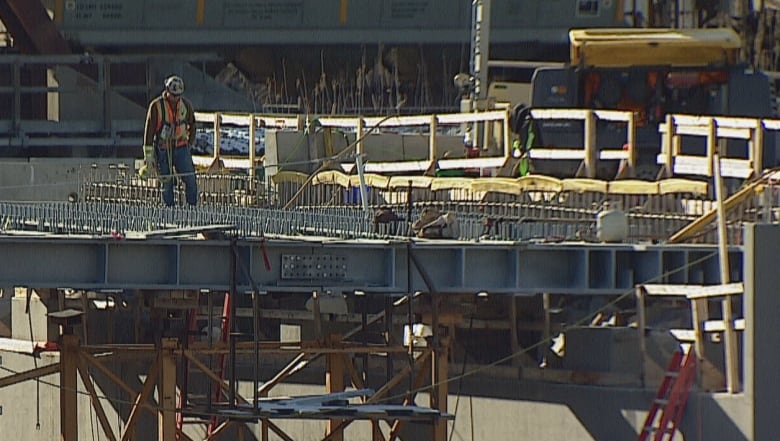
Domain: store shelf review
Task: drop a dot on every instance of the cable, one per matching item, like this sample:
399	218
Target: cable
337	156
35	364
586	319
463	369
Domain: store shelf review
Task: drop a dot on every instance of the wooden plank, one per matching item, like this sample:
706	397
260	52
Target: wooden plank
288	370
355	378
699	165
703	222
345	123
29	375
481	162
694	291
684	335
419	380
398	121
721	132
278	431
218	430
613	115
578	114
211	374
720	326
612	155
236	163
543	153
188	230
392	167
386	388
101	413
140	400
458	118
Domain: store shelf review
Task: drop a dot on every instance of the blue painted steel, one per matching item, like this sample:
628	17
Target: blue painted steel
373	266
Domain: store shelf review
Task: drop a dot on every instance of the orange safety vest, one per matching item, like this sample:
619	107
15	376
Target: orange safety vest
172	127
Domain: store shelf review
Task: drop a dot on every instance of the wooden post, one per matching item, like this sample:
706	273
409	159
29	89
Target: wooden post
432	141
590	144
217	135
315	309
507	137
668	145
166	389
640	301
334	382
514	343
252	121
546	331
69	357
376	431
358	136
758	148
729	336
712	146
84	318
631	141
439	390
698	315
263	421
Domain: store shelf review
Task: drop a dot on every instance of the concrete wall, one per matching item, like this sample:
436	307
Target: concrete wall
762	334
486	409
298	152
5	311
48	179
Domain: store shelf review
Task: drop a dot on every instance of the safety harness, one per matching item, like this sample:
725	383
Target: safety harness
172	130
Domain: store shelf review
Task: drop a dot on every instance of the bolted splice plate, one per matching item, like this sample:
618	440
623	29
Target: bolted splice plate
314	266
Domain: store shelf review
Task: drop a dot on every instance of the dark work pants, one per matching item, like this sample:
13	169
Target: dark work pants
185	170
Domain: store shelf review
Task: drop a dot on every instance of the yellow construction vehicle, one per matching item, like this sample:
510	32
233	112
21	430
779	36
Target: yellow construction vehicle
651	72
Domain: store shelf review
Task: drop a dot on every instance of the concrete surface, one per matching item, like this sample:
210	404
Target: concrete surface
48	179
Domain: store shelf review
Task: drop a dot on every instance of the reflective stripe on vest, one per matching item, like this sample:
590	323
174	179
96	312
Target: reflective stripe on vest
179	133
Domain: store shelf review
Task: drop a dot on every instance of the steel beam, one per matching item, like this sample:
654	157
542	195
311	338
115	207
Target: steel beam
373	266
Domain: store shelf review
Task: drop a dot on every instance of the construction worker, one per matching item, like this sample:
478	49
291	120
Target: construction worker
168	138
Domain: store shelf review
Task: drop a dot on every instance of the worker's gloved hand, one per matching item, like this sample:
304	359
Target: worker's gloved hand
150	163
516	151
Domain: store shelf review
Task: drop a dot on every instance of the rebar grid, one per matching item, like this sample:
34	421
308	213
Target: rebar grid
118	202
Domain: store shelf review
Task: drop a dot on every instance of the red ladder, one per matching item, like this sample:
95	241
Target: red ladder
671	398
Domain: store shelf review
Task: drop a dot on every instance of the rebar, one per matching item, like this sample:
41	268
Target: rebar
117	202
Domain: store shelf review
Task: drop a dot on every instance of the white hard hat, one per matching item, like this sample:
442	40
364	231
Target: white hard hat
174	85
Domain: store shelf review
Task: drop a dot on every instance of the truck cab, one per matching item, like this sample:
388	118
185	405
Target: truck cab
651	72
